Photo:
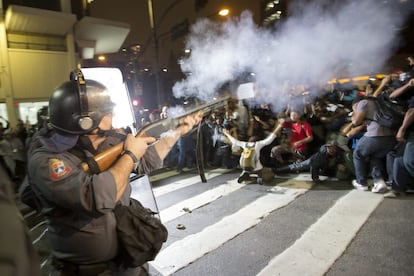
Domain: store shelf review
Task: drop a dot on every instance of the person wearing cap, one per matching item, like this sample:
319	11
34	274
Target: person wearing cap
78	204
333	159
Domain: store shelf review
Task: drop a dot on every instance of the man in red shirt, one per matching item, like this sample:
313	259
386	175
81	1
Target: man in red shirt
300	135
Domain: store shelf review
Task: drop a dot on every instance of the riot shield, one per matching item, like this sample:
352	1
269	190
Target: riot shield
142	191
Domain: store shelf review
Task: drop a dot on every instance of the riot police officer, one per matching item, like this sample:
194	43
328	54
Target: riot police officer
79	204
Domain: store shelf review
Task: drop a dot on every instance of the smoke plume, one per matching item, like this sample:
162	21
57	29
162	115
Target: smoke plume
315	44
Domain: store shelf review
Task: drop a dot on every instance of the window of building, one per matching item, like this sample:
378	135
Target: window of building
36	42
52	5
28	111
3	112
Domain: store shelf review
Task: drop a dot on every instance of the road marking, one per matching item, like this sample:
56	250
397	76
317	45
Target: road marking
159	191
40	236
163	175
193	247
325	241
200	200
308	177
43	222
167	174
29	214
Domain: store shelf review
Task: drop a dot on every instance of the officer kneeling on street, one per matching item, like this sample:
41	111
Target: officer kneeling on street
79	205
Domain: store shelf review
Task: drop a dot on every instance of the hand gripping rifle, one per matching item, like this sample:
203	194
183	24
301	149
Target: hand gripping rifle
105	159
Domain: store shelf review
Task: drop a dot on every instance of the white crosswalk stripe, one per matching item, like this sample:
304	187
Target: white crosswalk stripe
195	246
179	184
332	233
193	203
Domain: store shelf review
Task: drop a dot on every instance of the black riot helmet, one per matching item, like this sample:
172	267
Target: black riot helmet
77	106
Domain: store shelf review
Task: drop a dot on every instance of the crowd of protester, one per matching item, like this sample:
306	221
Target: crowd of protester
327	134
331	134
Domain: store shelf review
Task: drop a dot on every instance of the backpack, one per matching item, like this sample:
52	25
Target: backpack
390	114
248	162
140	233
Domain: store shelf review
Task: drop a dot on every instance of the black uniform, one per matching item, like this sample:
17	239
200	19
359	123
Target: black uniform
78	206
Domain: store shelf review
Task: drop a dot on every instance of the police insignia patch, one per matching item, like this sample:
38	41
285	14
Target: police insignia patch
58	169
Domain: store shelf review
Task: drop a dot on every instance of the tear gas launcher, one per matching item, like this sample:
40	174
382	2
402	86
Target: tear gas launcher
105	159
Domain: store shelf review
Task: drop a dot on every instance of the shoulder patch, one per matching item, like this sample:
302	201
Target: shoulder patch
58	169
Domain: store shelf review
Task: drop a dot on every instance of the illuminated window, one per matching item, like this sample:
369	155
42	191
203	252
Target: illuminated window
28	111
3	111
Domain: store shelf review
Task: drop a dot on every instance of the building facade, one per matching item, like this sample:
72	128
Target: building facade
40	43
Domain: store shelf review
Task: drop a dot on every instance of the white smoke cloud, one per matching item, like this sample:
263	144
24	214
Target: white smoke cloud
314	45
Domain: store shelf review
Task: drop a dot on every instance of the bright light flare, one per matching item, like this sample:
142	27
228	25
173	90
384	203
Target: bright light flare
113	80
224	12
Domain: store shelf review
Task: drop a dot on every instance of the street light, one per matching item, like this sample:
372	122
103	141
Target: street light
154	25
224	12
155	42
155	45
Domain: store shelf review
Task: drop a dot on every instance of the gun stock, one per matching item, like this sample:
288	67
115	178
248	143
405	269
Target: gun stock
106	158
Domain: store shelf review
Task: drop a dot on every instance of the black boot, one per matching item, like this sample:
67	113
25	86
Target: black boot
244	176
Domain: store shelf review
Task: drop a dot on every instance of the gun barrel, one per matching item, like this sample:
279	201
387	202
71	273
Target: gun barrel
106	158
156	128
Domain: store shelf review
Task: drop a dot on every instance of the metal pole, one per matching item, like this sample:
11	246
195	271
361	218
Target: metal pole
155	46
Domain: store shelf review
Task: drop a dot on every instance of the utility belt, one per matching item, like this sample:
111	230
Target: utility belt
65	268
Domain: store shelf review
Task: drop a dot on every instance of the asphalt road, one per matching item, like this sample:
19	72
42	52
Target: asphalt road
286	227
